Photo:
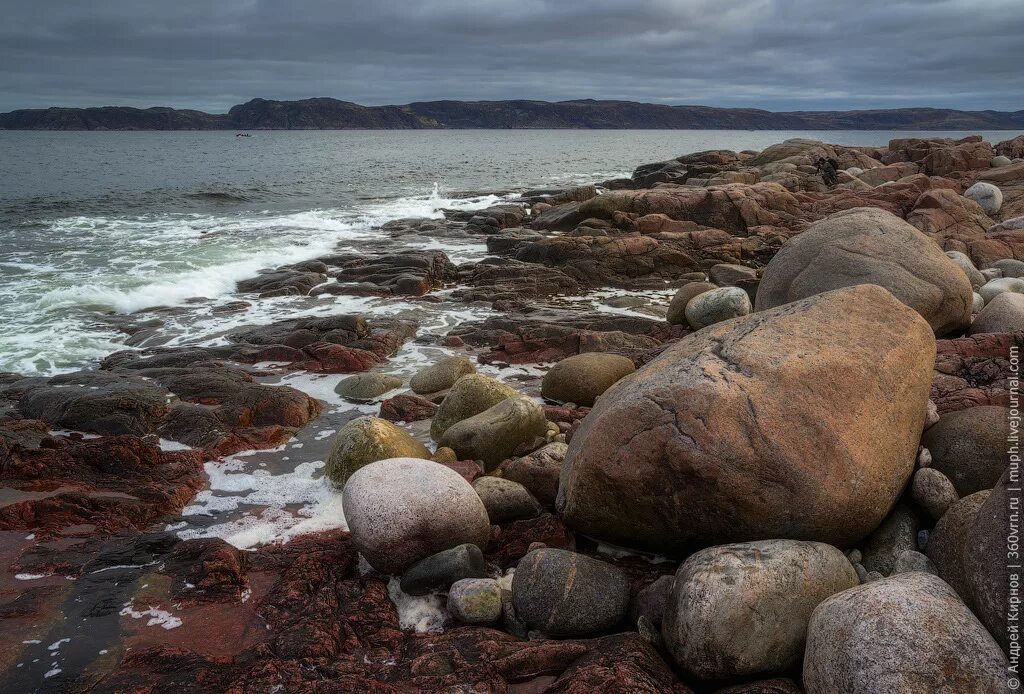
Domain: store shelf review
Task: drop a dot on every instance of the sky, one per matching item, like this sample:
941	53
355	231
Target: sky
772	54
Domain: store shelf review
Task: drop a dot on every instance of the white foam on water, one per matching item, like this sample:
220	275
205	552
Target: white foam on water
157	617
425	614
236	484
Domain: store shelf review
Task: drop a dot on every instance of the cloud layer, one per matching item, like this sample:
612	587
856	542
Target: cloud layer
775	54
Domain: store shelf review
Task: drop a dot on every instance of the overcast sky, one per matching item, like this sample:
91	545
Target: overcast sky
775	54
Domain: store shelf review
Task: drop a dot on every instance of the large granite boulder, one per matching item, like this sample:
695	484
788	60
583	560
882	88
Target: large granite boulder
970	447
402	510
1004	314
867	245
742	609
801	422
441	375
908	634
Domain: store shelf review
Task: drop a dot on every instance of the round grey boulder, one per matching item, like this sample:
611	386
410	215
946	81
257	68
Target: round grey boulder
365	440
978	305
366	386
475	601
495	434
538	471
974	275
716	306
908	634
912	560
1000	285
402	510
933	492
561	593
1009	266
506	500
867	245
742	609
441	376
897	533
439	571
471	395
677	307
969	447
987	195
581	378
1004	314
1000	160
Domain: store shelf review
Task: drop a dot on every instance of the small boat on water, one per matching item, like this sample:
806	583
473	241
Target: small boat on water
242	135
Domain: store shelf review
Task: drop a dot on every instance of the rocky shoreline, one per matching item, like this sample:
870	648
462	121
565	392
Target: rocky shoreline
775	460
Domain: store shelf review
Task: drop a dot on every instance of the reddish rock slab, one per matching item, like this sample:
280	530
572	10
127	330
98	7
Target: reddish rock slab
975	370
407	408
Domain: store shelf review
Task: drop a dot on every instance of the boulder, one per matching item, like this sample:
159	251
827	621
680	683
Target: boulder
365	440
506	500
439	571
407	408
402	510
582	378
967	265
711	442
538	471
950	536
366	386
1004	314
650	601
496	433
475	601
732	275
441	376
908	634
932	491
742	609
987	195
1001	285
1011	267
897	533
970	447
869	246
471	395
716	306
562	593
677	307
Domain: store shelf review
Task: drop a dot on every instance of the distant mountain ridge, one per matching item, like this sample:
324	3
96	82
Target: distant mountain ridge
332	114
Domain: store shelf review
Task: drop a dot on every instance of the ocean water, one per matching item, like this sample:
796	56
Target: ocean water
99	230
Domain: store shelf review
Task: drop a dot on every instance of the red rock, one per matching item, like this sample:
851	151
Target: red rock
407	408
973	370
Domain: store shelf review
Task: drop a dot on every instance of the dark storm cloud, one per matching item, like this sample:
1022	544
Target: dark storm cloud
777	54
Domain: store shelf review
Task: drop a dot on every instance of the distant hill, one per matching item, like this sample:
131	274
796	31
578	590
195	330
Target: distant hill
332	114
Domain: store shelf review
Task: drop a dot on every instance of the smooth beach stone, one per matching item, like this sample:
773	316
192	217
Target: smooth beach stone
974	276
562	593
977	305
538	471
1004	314
912	560
506	500
441	375
987	195
581	378
999	285
867	245
897	533
716	306
475	601
948	539
366	440
933	492
1000	160
742	609
730	274
908	634
495	434
677	307
1011	267
366	386
441	570
471	395
402	510
650	601
970	446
